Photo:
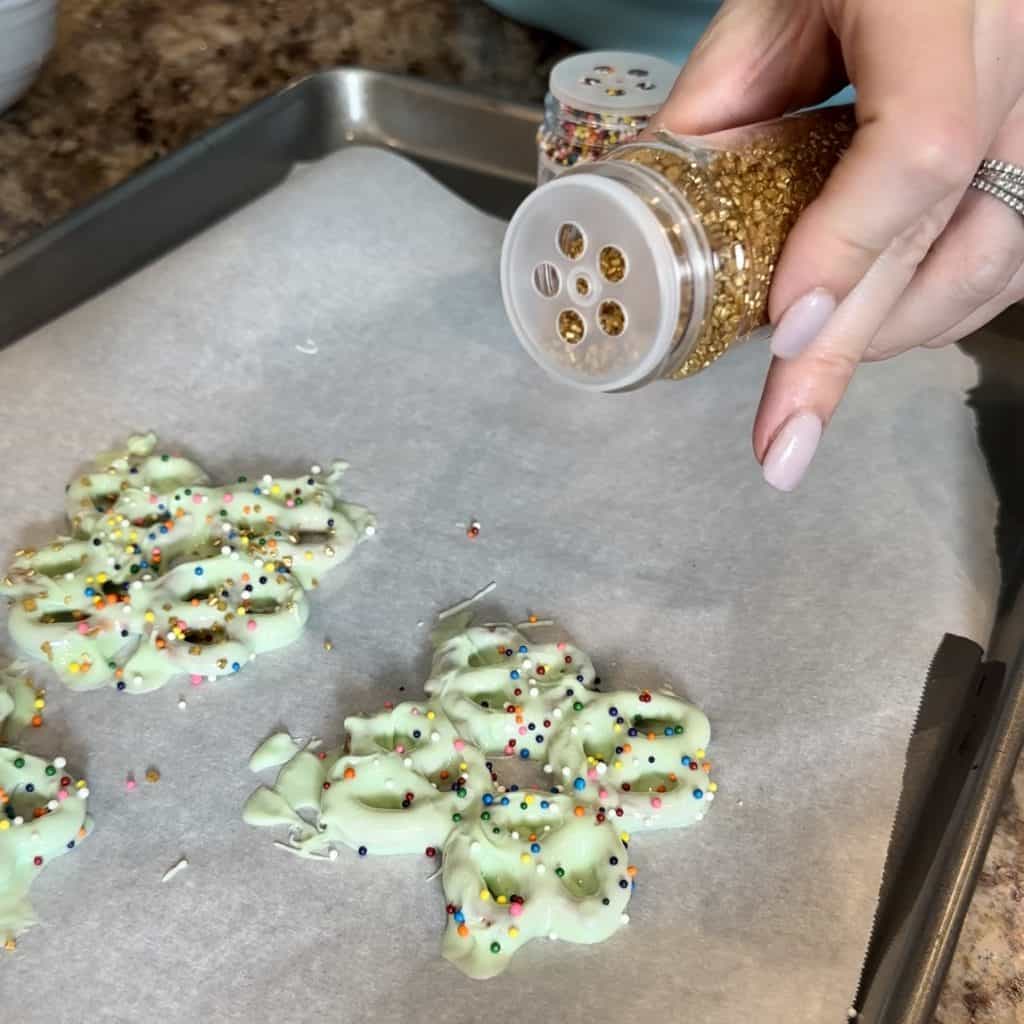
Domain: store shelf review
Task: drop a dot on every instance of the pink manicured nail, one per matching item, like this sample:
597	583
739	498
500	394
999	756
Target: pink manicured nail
792	450
802	323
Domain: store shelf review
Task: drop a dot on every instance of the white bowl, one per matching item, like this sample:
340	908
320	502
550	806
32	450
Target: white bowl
28	30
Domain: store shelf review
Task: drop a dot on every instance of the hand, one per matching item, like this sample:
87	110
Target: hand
896	252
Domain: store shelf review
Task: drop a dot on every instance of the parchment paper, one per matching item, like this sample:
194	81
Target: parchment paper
802	624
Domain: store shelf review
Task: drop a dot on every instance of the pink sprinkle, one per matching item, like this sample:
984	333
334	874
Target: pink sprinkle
602	794
156	551
389	705
251	625
400	748
515	909
561	645
290	503
522	730
62	794
228	498
415	711
129	783
591	773
197	499
656	802
459	744
83	628
196	680
152	499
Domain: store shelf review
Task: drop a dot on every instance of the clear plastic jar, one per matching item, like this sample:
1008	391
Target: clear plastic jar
653	261
597	101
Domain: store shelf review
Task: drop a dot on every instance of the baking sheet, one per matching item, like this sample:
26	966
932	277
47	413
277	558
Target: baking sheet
802	624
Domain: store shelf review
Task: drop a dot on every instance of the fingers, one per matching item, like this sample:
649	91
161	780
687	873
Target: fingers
801	394
860	243
757	60
916	145
969	271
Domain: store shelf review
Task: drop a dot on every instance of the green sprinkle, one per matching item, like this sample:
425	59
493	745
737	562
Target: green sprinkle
495	947
560	872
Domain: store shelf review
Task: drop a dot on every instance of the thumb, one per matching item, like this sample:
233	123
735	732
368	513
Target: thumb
757	60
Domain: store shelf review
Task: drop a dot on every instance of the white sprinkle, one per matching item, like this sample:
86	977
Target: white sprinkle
60	762
601	767
851	1014
474	847
534	691
177	869
557	713
83	793
407	762
370	530
53	805
541	869
515	835
226	549
267	478
574	731
307	348
624	919
552	936
709	797
528	664
19	820
548	769
332	854
462	605
565	772
434	737
315	470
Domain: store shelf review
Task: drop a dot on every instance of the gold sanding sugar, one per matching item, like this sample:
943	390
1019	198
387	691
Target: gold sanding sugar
747	195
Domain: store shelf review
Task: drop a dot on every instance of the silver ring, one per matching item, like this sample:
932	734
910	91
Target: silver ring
1003	181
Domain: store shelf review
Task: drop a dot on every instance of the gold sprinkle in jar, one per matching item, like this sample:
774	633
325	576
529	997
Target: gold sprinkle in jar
653	261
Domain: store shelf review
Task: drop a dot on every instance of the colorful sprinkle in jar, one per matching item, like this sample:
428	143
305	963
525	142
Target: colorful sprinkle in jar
654	260
596	101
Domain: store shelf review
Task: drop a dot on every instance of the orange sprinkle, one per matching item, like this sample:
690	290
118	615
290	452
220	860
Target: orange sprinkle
706	766
81	832
161	643
533	618
464	931
350	773
38	812
194	602
651	736
579	811
444	775
631	870
661	789
519	719
627	748
37	720
672	777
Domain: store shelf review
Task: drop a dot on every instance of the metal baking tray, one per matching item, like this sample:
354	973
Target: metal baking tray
972	717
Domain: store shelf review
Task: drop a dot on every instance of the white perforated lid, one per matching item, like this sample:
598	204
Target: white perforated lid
591	284
614	82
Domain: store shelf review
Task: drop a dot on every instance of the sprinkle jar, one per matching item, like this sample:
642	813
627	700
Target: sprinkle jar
654	260
596	101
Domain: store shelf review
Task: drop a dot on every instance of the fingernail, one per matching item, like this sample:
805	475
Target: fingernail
802	323
792	450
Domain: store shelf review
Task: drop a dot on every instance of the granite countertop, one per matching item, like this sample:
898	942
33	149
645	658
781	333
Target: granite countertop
131	80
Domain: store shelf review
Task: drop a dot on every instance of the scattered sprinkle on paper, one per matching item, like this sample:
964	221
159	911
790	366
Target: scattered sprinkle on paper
463	605
177	869
308	348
